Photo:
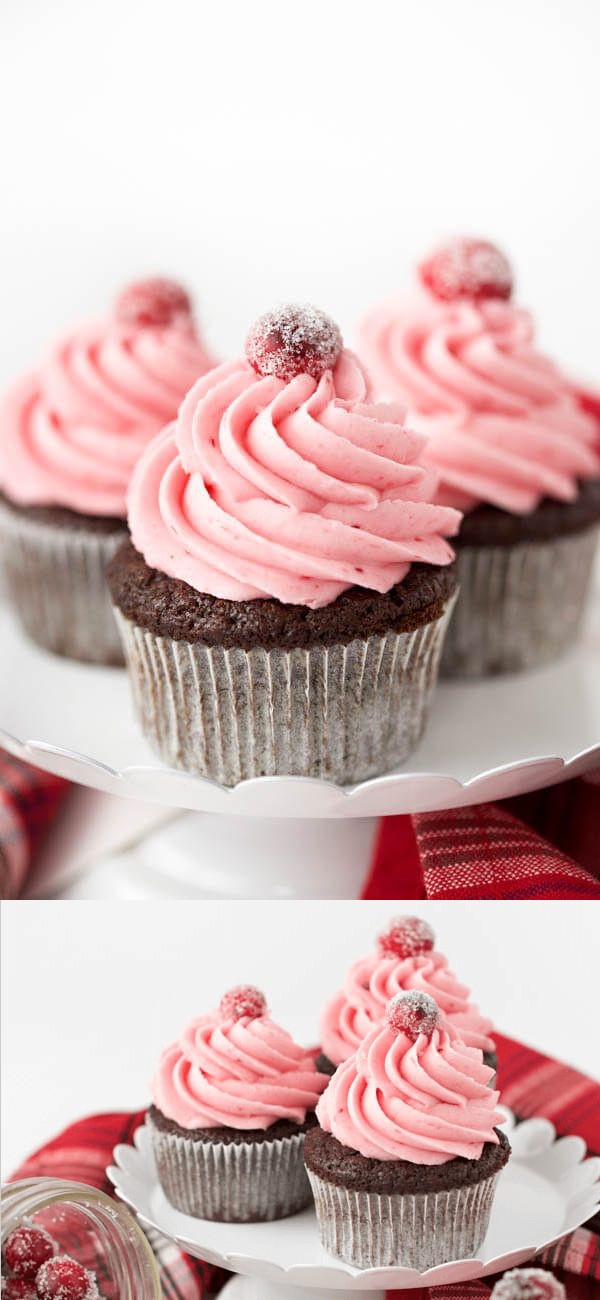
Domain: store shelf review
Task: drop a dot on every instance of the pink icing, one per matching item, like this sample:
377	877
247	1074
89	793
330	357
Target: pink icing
295	490
425	1100
504	425
245	1074
71	432
370	984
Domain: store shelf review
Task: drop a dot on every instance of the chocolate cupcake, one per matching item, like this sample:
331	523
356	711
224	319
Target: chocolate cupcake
233	1099
404	959
285	593
515	451
70	434
406	1159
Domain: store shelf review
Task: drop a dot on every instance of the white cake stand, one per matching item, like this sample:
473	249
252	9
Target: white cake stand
547	1189
485	740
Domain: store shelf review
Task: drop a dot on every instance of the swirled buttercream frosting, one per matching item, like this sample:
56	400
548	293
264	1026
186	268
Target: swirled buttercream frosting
234	1067
400	963
294	488
72	431
404	1095
503	424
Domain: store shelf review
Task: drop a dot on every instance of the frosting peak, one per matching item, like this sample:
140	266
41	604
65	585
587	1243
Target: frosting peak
503	424
425	1099
374	980
71	432
294	489
241	1071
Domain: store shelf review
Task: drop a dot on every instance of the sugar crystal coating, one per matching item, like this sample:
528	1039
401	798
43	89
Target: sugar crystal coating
413	1013
152	302
244	1000
528	1284
63	1278
467	268
26	1249
406	936
16	1288
294	340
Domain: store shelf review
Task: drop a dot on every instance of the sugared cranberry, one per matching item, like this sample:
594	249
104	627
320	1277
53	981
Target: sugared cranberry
152	302
16	1288
528	1284
467	268
245	1000
26	1249
413	1013
406	936
294	340
63	1278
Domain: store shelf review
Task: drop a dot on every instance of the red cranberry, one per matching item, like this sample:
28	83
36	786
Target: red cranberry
528	1284
294	340
152	302
467	268
62	1278
15	1288
413	1013
406	936
245	1000
26	1249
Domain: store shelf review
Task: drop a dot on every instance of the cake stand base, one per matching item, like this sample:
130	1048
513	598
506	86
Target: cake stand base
256	1288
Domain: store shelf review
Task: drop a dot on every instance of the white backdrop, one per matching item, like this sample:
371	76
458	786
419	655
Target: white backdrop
265	151
93	991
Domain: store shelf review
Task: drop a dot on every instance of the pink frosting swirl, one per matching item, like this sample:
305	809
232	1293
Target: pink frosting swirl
504	425
70	433
245	1074
295	490
425	1100
370	984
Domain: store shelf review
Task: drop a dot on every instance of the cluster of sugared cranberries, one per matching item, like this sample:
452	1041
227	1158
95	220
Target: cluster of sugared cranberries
406	936
33	1270
528	1284
412	1013
152	302
467	268
294	340
244	1000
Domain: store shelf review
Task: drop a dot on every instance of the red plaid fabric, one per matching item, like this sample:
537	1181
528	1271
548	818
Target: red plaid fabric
550	850
532	1084
29	801
82	1153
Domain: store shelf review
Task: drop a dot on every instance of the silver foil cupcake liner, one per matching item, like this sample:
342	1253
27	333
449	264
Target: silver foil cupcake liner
342	713
232	1182
55	579
519	606
371	1230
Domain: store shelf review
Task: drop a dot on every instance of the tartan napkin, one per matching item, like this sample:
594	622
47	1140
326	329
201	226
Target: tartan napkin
541	845
532	1084
29	802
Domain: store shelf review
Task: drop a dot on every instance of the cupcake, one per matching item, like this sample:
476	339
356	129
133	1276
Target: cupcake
233	1099
404	959
286	589
70	434
405	1161
514	448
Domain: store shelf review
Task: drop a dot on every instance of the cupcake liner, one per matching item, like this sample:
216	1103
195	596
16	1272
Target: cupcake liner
342	713
519	606
373	1230
55	578
232	1182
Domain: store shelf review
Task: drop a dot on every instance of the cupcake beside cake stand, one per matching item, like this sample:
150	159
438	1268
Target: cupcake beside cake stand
547	1189
485	740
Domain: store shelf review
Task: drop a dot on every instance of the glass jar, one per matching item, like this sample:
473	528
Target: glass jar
92	1228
